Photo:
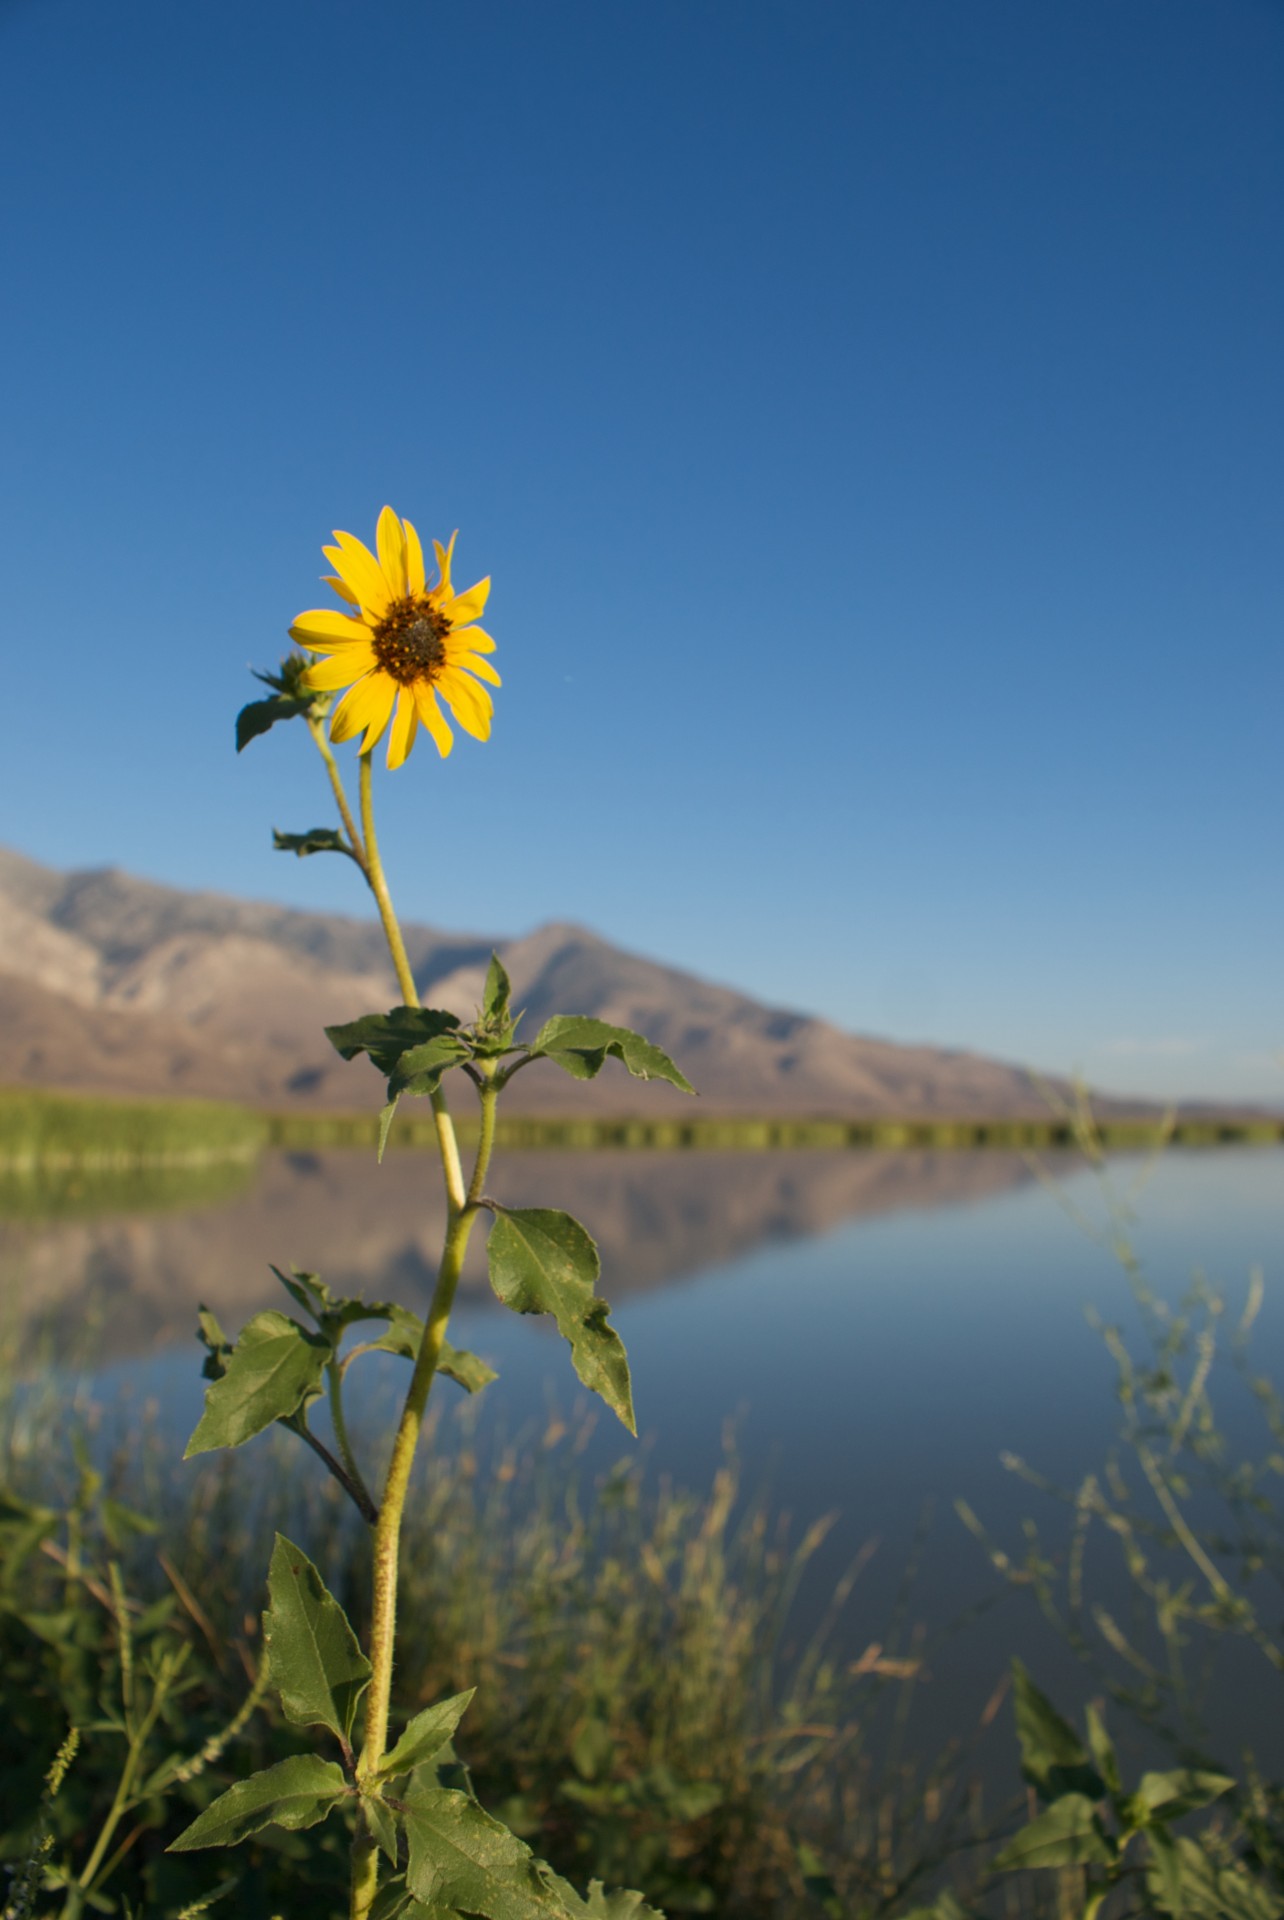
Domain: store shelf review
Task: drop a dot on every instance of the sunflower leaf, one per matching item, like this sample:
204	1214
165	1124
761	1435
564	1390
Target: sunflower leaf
425	1736
462	1859
419	1070
334	1313
382	1822
497	992
260	716
315	840
387	1036
542	1261
294	1793
598	1904
581	1047
317	1667
405	1332
271	1373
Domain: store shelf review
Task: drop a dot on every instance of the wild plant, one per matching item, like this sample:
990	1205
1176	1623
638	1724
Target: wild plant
420	1843
1197	1540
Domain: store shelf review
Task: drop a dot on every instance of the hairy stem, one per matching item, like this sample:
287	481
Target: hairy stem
388	1532
462	1211
379	888
316	727
447	1145
339	1419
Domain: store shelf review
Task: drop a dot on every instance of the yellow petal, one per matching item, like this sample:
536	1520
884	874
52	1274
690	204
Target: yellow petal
367	705
362	572
342	588
405	726
327	676
470	704
467	606
325	630
391	542
433	718
415	575
443	561
473	663
471	637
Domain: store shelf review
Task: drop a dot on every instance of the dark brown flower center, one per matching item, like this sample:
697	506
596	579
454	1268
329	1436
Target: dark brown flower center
408	641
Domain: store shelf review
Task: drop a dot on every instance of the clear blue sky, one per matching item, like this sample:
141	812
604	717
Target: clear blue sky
872	417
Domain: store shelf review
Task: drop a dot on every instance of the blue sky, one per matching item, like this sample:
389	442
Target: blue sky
871	417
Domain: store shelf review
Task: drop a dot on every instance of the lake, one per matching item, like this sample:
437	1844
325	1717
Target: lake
877	1328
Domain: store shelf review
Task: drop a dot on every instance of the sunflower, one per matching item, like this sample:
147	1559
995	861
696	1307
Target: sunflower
402	644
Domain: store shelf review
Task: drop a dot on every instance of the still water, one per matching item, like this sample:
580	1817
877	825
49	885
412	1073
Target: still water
878	1328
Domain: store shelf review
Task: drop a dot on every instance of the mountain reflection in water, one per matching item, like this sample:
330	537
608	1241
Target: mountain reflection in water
137	1276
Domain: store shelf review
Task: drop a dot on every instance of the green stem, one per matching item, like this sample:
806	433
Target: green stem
339	1419
447	1145
387	1539
463	1207
316	727
388	1532
379	888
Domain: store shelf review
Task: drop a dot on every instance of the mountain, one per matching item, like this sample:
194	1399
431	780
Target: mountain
111	984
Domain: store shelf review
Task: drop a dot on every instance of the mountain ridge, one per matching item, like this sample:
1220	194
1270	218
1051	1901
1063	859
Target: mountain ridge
110	983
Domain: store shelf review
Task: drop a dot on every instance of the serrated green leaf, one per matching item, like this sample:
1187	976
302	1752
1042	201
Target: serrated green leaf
334	1313
420	1069
404	1335
598	1904
273	1370
318	1668
425	1736
542	1261
386	1036
299	1286
1052	1757
382	1822
581	1046
460	1857
1166	1796
294	1793
1066	1834
261	715
315	840
467	1370
497	993
404	1332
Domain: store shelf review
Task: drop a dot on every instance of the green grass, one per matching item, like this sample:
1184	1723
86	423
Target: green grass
51	1131
758	1135
639	1715
45	1134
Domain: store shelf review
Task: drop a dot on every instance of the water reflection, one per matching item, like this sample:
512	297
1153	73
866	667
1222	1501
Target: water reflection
137	1274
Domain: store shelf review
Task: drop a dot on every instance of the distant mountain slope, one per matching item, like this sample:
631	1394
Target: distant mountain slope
115	984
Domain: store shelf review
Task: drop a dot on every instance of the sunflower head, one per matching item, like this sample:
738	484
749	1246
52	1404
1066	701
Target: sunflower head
399	643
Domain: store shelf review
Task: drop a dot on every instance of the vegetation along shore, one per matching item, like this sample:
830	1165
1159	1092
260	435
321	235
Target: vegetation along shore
56	1131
